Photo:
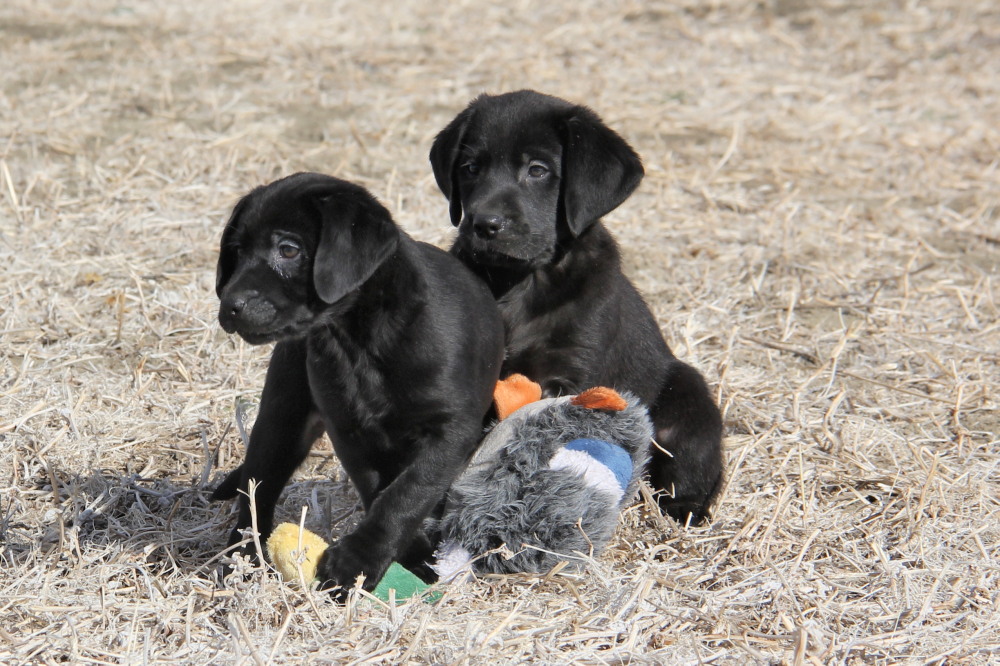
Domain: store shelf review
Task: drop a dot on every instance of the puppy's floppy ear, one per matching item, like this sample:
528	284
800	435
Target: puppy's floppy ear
600	170
444	157
228	251
357	235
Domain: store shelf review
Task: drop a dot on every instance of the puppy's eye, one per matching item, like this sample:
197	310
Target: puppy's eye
288	250
470	168
537	170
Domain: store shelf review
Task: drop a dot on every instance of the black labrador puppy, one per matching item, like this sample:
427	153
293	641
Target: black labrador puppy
388	344
528	177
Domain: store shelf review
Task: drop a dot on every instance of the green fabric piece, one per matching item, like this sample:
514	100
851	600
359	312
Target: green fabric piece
405	583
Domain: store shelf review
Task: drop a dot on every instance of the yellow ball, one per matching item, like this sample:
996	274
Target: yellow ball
287	555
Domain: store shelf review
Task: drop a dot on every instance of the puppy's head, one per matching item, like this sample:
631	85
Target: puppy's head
294	249
525	173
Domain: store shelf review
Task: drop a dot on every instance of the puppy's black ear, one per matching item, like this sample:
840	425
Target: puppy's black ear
356	237
444	157
600	170
228	250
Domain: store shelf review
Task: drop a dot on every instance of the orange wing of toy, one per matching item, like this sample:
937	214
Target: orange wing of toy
513	393
600	397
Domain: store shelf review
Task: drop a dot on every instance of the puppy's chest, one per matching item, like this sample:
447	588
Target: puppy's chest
376	394
548	349
348	383
526	339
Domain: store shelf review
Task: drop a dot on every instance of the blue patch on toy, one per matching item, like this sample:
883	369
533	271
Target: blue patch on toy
610	455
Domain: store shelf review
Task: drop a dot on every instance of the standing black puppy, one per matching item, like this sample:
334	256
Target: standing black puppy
528	177
388	344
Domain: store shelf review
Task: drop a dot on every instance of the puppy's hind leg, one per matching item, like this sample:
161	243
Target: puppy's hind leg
686	462
229	486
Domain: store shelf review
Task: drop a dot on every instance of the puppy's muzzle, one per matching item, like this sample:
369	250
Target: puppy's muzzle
245	310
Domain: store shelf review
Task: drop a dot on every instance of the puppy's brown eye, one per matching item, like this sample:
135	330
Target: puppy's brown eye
288	251
537	170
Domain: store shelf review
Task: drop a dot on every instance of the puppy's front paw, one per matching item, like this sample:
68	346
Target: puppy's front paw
341	565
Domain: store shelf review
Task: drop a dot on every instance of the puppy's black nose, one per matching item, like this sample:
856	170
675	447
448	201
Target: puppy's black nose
487	226
234	308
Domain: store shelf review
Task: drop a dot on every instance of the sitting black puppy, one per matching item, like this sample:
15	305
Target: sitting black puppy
529	176
388	344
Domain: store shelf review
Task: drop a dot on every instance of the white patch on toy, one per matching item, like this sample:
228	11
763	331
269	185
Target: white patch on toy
451	560
595	474
603	465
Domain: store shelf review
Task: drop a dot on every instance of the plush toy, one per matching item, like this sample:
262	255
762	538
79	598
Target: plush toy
548	481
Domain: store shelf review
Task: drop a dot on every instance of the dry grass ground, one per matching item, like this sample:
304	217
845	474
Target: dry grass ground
818	232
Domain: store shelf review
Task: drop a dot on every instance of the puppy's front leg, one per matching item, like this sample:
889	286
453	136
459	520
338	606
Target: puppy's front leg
396	515
287	425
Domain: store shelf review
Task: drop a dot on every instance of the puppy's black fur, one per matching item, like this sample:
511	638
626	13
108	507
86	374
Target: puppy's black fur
528	177
389	345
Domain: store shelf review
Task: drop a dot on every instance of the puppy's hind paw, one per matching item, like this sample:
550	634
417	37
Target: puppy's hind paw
229	487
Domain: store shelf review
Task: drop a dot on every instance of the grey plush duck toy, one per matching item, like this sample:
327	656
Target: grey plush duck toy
548	481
